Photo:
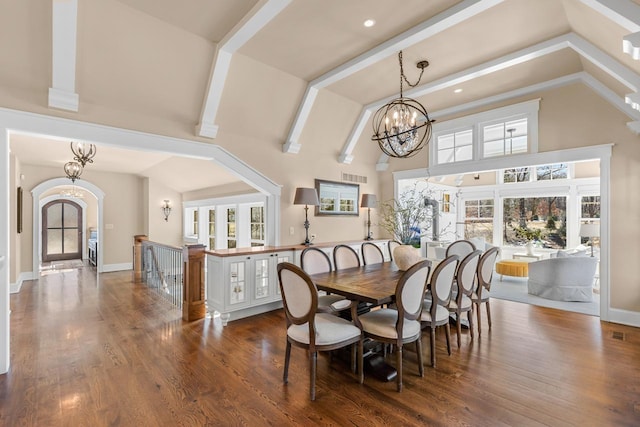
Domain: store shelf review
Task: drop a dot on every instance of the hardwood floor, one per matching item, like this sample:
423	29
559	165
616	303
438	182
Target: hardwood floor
106	352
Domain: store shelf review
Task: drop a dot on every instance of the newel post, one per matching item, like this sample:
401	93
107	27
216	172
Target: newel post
137	256
193	303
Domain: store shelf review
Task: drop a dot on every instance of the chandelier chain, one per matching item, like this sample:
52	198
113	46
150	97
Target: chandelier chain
403	77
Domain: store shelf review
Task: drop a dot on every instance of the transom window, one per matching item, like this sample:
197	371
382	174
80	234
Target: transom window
504	131
536	173
455	147
551	172
505	138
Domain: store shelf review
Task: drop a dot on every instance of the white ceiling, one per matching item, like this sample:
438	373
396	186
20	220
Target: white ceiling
310	39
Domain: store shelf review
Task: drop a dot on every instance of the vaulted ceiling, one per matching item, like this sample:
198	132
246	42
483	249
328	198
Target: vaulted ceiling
205	69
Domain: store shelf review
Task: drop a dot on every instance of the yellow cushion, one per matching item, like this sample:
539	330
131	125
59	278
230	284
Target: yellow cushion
512	267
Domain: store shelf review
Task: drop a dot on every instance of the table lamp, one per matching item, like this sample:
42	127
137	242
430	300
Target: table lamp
590	230
306	197
368	201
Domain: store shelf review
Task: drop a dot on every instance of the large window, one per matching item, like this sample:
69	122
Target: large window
191	222
478	220
212	229
590	214
257	226
231	228
542	219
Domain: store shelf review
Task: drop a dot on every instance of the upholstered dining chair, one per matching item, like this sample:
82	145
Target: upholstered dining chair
482	293
462	248
311	330
435	312
313	261
466	282
392	244
345	257
401	325
371	253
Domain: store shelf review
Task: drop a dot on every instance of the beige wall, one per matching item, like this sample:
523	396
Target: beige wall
167	232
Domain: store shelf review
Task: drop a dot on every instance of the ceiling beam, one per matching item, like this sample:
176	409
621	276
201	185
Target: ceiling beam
62	93
447	19
259	16
587	50
626	14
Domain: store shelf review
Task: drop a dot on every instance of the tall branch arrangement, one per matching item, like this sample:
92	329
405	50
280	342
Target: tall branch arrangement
406	218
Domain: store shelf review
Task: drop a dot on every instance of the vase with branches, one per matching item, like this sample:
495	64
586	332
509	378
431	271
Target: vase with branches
406	218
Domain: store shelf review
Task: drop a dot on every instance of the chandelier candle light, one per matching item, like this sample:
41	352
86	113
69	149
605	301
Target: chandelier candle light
73	170
306	197
402	126
82	153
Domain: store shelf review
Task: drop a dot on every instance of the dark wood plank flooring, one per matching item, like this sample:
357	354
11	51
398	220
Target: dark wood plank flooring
104	351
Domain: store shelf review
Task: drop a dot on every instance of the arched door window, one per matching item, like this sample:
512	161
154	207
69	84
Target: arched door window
61	231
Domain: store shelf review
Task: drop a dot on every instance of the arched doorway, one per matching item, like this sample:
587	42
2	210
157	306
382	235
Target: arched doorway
40	201
62	231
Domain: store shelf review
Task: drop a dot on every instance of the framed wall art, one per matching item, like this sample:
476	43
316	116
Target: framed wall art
337	198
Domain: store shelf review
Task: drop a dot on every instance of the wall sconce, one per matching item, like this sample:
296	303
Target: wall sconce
166	209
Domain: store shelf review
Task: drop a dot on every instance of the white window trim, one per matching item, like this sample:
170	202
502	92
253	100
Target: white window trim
528	109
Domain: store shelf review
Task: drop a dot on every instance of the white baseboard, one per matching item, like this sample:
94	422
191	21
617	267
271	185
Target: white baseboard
14	288
108	268
624	317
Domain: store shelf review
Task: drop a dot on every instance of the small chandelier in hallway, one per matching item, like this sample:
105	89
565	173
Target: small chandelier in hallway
73	170
83	153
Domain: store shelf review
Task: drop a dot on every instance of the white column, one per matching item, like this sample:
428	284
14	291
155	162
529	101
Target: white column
64	32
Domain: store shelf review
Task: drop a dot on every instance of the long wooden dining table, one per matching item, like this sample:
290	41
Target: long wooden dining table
374	284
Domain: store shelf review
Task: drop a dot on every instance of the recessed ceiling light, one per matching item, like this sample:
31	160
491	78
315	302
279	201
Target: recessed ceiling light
369	23
457	90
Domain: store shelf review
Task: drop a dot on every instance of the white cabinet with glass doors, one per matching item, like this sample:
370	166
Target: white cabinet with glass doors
244	285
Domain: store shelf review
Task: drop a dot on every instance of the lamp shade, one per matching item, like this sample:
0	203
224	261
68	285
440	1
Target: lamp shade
306	196
589	230
368	201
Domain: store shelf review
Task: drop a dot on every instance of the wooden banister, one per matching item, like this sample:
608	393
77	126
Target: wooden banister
193	302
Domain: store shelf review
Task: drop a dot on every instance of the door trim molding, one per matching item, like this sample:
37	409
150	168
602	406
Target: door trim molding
47	185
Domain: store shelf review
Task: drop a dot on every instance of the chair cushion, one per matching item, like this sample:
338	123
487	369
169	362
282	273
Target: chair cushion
383	324
464	304
441	312
327	300
330	329
485	295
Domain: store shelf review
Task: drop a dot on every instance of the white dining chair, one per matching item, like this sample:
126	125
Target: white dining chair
466	283
313	331
313	261
435	312
401	325
371	253
345	257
